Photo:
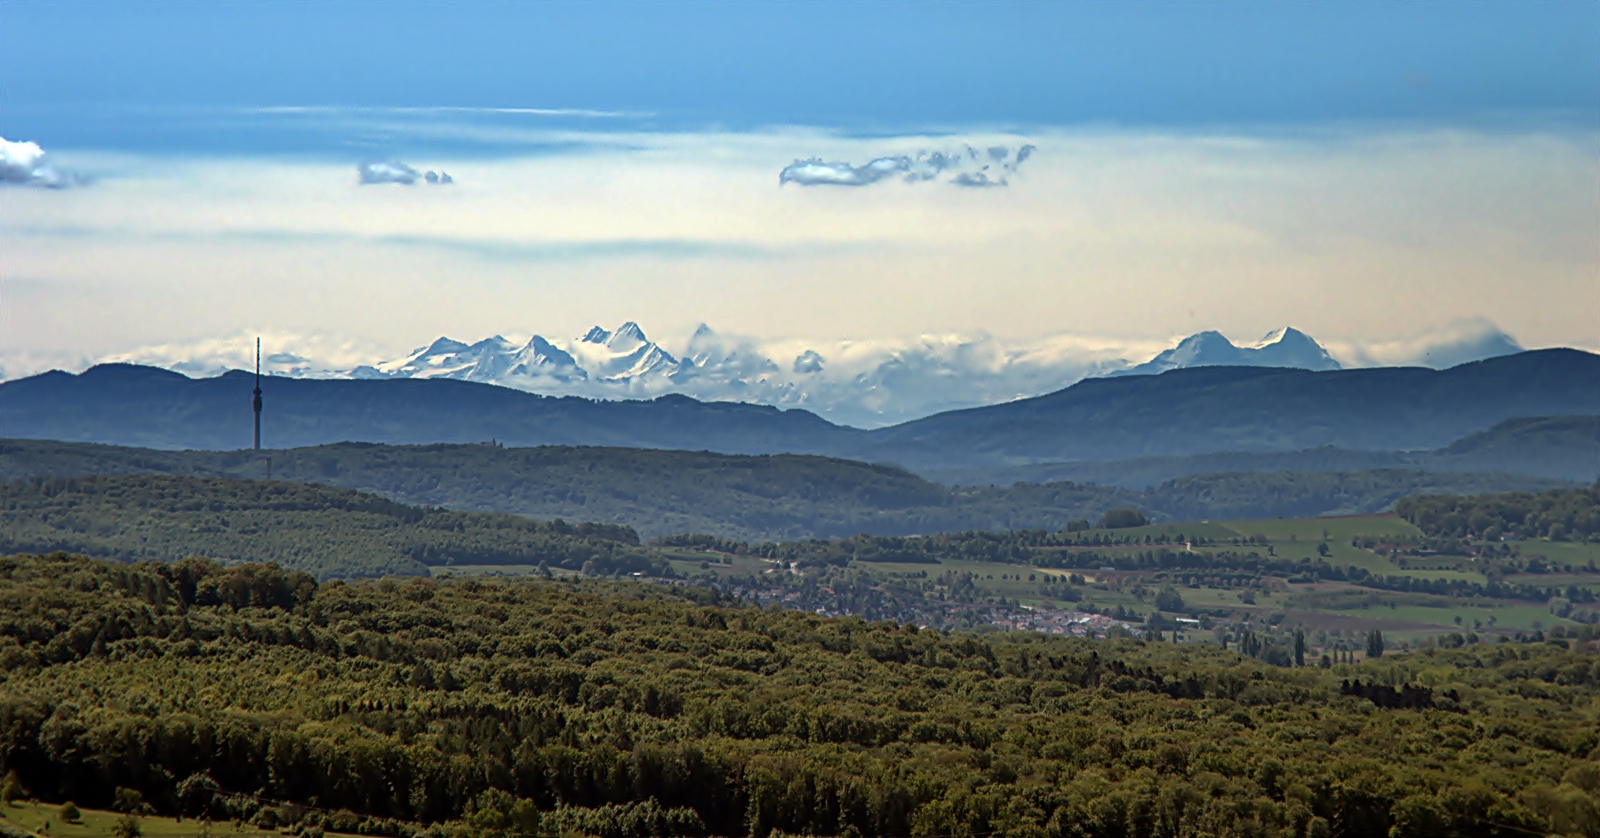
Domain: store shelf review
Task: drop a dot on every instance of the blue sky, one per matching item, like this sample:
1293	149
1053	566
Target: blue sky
165	76
1377	174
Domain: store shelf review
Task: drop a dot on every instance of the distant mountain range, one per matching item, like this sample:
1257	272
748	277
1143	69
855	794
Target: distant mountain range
849	384
1179	413
864	383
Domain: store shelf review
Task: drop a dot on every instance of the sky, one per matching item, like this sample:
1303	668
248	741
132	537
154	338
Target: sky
178	176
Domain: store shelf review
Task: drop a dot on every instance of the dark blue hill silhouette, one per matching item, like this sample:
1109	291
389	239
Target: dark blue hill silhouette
1560	447
121	404
1177	413
1253	409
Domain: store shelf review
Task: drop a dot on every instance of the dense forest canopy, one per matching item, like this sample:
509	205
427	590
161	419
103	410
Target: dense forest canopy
328	532
630	709
1556	515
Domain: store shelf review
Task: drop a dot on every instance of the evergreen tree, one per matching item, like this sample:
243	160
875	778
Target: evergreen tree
1299	647
1375	644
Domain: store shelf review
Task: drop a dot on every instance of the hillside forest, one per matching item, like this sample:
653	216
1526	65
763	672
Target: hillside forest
476	707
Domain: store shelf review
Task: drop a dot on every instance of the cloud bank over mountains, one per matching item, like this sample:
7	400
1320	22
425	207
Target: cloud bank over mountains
1460	342
866	383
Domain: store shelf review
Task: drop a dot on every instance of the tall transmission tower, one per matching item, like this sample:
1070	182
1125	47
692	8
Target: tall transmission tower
255	401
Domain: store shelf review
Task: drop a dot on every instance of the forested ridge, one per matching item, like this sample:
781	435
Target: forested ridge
630	709
327	532
747	498
1565	447
1556	515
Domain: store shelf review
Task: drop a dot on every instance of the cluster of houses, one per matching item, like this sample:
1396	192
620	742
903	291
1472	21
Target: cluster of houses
1056	621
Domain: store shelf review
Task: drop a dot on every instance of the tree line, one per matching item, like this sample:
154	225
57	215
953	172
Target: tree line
1559	515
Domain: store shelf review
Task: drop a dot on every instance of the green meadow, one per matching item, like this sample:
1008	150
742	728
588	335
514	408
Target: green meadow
44	820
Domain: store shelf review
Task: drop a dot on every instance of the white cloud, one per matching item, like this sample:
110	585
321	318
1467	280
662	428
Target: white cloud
807	362
386	171
1460	342
282	353
968	167
24	164
393	171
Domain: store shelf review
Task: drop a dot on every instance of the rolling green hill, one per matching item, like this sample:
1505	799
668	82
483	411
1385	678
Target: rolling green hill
758	498
1561	447
323	531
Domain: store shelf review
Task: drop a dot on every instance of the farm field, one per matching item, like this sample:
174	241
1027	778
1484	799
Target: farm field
1563	553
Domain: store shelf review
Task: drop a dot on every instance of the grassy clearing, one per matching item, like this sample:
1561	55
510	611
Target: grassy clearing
1298	538
688	563
1590	581
1507	616
44	819
1316	529
1562	553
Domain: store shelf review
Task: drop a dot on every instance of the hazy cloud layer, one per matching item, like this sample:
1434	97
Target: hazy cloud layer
394	171
992	166
1461	342
283	353
24	164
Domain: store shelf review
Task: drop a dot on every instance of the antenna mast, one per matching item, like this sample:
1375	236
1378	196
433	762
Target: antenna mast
255	402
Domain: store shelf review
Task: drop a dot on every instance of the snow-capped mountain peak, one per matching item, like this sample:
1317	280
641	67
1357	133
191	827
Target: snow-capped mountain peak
540	359
1284	347
441	346
624	355
1277	336
627	338
1290	347
935	372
